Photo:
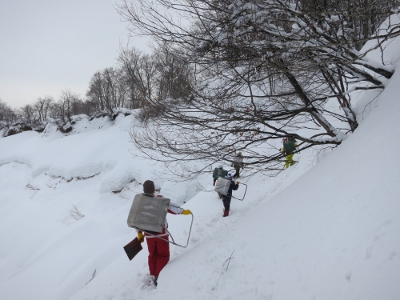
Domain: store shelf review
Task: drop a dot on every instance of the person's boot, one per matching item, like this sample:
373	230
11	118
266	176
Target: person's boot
226	213
155	281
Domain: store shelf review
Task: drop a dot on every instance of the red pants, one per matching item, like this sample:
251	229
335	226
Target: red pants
158	254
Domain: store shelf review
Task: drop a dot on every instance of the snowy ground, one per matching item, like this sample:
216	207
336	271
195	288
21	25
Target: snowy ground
326	228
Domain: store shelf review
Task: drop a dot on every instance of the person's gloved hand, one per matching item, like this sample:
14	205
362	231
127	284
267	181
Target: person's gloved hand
140	237
186	212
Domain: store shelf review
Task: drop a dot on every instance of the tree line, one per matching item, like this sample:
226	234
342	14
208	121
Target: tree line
136	79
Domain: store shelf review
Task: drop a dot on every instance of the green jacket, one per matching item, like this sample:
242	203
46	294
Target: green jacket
289	147
219	172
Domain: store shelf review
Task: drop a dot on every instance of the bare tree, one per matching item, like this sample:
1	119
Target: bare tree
95	93
42	107
264	70
130	62
175	76
108	89
28	114
356	20
7	114
147	74
56	110
154	77
68	104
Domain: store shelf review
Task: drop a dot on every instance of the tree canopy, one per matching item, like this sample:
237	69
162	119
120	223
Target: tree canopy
264	70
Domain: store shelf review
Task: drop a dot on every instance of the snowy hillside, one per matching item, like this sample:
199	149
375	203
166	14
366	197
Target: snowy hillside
326	228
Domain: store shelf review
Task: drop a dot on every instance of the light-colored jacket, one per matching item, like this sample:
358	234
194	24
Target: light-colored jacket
238	160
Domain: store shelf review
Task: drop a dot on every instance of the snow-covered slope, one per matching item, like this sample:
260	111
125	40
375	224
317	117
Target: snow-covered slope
332	234
326	228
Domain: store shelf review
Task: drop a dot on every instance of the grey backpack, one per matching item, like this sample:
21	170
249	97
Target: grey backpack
222	186
148	213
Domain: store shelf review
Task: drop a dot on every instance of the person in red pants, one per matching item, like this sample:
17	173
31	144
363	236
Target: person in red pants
157	242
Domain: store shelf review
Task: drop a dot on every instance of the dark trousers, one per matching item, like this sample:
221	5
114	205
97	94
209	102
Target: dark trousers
227	202
237	170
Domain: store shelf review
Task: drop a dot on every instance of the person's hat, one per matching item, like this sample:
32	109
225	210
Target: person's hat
220	166
148	187
230	174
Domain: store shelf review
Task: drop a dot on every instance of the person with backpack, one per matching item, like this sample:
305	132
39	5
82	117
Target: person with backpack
219	172
237	163
226	199
157	242
289	147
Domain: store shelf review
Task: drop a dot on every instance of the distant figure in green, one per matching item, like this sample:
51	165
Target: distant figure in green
289	146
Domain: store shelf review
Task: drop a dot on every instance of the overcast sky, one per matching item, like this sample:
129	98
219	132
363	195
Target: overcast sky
48	46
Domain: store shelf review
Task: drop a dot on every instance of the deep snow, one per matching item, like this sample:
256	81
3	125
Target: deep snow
326	228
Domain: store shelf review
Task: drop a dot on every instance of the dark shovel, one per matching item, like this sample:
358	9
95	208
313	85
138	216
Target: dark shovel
133	248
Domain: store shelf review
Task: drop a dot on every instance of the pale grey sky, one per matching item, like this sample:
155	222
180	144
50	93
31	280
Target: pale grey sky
47	46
